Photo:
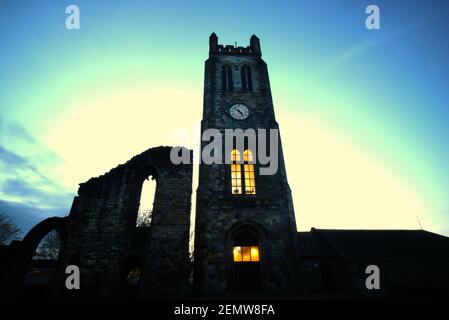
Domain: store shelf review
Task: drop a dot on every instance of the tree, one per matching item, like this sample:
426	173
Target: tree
192	244
8	229
144	218
48	248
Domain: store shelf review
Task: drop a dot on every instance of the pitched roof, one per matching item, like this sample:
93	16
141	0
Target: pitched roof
311	245
379	244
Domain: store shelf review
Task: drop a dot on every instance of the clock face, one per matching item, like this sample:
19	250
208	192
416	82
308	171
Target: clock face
239	111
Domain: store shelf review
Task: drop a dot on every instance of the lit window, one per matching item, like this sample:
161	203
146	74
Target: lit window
237	253
236	173
247	176
250	182
254	253
246	254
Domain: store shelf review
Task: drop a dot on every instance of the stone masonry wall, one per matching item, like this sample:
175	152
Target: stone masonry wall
219	213
102	236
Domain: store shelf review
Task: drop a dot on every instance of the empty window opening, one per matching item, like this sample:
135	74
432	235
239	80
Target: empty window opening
48	248
43	264
146	203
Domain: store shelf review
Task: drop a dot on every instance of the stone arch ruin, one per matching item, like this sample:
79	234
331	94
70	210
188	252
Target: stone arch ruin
100	232
21	253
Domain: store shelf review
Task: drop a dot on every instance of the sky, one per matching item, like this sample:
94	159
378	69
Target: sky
362	113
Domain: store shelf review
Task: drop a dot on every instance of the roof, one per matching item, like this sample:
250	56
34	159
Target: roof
377	244
311	245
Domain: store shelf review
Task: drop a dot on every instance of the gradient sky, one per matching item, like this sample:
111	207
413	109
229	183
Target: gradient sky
363	113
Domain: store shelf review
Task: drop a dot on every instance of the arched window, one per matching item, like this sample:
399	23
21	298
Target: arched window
133	277
130	277
226	78
48	248
236	172
242	180
43	264
250	181
246	257
247	81
146	203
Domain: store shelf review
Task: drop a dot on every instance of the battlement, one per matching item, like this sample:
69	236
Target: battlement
234	50
253	49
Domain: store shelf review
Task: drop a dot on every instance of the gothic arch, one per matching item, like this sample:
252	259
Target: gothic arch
147	170
227	80
246	77
151	173
248	225
29	244
39	231
256	231
129	285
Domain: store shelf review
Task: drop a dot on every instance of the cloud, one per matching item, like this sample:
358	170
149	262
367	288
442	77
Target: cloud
32	195
355	51
12	158
17	187
24	183
12	129
358	49
25	216
29	188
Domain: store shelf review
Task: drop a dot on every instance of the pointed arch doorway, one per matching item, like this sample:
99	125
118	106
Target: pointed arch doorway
246	260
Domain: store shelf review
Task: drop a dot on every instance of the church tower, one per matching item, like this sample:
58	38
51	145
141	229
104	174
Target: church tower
245	229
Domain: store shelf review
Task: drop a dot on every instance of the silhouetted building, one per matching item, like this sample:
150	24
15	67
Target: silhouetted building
246	241
411	262
245	229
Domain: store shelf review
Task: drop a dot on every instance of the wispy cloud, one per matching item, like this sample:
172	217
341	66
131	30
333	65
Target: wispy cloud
27	184
12	129
364	46
12	158
28	193
355	51
26	216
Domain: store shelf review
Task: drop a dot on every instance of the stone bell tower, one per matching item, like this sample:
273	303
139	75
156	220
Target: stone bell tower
245	232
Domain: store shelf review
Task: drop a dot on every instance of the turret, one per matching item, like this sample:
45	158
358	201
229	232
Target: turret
213	43
255	45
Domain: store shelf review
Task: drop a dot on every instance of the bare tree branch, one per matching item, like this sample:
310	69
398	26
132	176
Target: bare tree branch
48	248
8	229
144	218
